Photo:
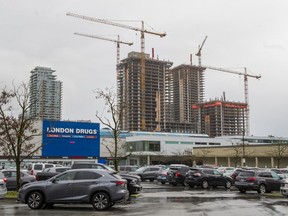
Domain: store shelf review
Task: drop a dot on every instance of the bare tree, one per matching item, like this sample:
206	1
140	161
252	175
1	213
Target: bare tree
203	154
238	153
17	130
113	123
279	151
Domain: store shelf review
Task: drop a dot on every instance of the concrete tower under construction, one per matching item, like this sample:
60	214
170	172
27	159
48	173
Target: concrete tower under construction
132	97
184	88
221	117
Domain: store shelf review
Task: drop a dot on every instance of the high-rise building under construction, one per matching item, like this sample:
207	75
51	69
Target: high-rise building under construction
168	97
184	87
133	96
45	94
221	117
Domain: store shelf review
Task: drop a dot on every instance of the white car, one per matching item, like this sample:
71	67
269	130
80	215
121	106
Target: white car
284	188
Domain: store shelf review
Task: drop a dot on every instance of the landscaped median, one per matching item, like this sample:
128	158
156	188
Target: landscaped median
11	195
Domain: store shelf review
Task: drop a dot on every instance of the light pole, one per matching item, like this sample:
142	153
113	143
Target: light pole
243	143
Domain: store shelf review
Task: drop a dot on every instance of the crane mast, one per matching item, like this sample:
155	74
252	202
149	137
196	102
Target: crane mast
142	56
245	75
118	41
199	51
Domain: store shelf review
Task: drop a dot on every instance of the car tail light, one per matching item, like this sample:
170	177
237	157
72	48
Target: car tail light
31	173
177	174
120	182
5	179
251	179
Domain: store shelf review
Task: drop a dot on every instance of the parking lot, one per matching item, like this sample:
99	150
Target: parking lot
158	199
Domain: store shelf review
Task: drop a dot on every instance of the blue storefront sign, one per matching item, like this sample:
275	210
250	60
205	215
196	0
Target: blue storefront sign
71	139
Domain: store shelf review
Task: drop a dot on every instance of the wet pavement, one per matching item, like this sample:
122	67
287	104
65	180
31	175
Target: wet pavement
157	199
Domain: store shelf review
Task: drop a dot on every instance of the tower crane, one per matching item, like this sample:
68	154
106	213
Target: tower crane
142	63
118	41
199	51
245	75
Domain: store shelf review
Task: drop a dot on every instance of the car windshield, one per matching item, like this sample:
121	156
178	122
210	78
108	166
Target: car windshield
109	168
133	169
246	174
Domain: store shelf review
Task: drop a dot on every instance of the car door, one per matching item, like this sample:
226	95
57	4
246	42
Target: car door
210	176
146	173
60	188
219	180
83	182
154	172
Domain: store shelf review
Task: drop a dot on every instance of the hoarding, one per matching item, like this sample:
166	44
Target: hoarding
71	139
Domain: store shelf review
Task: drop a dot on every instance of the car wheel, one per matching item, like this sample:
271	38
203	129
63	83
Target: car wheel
101	201
35	200
185	183
242	190
262	189
228	184
205	184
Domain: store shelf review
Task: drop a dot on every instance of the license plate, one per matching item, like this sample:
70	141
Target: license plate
242	180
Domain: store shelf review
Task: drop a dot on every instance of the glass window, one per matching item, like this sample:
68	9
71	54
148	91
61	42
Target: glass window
38	167
84	175
66	176
274	175
49	165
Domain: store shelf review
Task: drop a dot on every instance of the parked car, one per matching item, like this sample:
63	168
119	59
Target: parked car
281	172
148	172
284	188
225	169
133	181
50	172
33	168
162	177
260	181
127	168
101	188
3	189
206	177
11	178
176	174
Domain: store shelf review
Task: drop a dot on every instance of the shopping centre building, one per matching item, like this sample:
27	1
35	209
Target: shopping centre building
67	141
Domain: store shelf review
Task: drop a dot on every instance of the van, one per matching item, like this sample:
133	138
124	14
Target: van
33	168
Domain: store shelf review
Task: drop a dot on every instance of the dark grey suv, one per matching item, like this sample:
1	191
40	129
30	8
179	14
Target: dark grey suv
260	181
101	188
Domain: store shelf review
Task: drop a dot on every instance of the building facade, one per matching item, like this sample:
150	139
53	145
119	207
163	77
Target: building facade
221	118
142	94
185	87
45	94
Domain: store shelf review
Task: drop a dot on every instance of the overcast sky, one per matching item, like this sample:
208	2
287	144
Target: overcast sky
246	33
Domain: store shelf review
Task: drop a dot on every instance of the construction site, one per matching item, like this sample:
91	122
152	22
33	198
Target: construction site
156	97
